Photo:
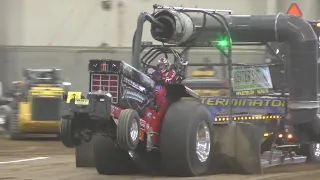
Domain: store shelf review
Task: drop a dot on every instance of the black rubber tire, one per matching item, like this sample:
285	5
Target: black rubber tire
309	150
12	127
178	139
67	135
111	160
126	118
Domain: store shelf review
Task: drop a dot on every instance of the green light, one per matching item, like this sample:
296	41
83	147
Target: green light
223	44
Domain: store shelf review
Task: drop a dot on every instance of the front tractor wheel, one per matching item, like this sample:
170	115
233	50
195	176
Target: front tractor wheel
186	139
128	130
67	133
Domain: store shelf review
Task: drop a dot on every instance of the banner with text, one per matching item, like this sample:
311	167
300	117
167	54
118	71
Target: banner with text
251	81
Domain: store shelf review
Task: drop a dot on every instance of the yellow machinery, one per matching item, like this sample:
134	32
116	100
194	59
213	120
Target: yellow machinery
36	108
205	83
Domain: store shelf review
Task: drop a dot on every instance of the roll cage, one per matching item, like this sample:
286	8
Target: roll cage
179	63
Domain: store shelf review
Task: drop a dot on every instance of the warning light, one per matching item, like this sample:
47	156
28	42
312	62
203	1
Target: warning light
318	25
265	134
280	135
222	43
294	10
290	136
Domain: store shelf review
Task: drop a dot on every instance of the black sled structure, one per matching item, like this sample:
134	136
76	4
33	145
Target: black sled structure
237	144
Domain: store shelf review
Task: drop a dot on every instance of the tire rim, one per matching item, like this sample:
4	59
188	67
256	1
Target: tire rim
317	150
134	131
203	142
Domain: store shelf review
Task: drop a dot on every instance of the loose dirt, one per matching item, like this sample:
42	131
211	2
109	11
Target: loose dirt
59	164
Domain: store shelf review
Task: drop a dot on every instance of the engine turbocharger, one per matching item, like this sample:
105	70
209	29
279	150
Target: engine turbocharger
179	27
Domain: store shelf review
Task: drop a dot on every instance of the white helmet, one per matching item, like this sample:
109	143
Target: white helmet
163	64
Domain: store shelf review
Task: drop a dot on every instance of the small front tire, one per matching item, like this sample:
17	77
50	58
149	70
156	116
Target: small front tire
67	134
128	130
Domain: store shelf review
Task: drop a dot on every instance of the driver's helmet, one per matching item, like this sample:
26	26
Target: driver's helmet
163	64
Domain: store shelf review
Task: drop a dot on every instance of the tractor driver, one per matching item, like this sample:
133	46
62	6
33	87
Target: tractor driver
162	75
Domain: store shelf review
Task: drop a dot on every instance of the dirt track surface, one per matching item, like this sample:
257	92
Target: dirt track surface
58	164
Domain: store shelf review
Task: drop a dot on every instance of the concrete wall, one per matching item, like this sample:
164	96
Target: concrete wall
74	61
2	39
74	23
84	23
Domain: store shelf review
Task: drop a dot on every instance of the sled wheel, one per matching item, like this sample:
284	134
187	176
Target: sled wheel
186	139
12	127
128	130
67	133
109	159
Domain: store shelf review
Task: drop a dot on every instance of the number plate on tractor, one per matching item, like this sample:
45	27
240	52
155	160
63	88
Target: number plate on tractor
81	101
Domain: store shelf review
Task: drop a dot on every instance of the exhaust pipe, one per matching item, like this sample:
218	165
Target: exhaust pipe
182	28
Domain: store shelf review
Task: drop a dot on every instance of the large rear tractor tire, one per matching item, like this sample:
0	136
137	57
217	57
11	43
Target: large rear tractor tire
128	130
67	134
312	151
111	160
186	139
12	127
